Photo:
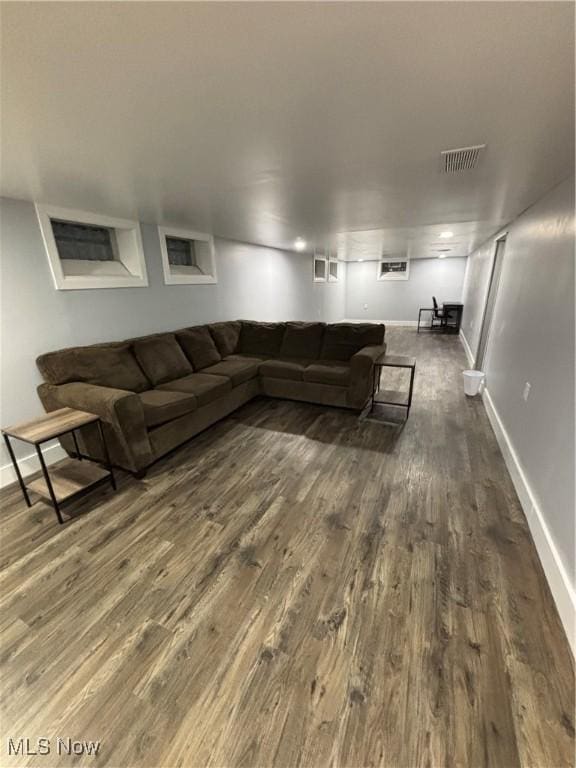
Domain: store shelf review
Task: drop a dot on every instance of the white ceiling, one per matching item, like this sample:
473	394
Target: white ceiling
420	242
264	121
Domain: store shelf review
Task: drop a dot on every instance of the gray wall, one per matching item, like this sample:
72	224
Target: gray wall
400	300
254	283
532	340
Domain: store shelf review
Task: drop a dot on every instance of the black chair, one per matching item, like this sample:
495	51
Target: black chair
441	316
447	316
435	314
438	314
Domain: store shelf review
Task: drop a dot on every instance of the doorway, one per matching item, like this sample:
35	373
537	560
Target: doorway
495	274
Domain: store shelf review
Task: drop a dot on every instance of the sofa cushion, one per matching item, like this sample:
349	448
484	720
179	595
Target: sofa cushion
302	340
249	358
161	358
111	365
261	338
204	386
284	369
342	340
238	371
160	406
199	346
328	372
226	336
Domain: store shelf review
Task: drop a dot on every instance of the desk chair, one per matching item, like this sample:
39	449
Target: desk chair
435	314
440	315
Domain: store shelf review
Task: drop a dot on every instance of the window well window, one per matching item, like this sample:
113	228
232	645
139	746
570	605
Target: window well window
393	269
87	250
187	257
80	241
181	253
320	266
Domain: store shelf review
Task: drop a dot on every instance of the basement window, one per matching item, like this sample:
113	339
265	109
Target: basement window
83	242
187	257
393	269
87	250
320	270
333	271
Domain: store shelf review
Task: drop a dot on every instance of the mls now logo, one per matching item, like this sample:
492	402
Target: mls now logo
29	746
45	746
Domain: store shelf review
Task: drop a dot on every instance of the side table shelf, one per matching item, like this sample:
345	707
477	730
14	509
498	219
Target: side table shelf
391	397
71	478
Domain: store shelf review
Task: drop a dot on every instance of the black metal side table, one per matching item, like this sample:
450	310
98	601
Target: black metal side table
389	396
71	478
430	327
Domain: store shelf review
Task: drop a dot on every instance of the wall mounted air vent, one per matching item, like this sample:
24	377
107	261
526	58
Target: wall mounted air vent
462	159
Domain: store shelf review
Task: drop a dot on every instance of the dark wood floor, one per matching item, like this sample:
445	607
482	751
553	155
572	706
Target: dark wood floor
294	588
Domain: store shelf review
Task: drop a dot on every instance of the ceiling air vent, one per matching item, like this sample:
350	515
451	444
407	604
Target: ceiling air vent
462	159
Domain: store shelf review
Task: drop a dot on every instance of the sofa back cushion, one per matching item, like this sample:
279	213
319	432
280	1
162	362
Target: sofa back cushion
161	358
226	336
261	338
107	365
199	346
302	340
342	340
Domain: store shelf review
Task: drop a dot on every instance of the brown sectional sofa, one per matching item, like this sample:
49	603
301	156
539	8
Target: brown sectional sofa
155	392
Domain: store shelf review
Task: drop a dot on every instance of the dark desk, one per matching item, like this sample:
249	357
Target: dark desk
453	313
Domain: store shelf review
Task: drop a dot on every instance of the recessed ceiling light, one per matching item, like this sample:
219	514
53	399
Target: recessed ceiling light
299	244
360	259
441	255
446	235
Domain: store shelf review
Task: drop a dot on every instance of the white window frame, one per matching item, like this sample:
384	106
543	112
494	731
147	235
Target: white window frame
332	279
322	258
179	279
393	275
128	240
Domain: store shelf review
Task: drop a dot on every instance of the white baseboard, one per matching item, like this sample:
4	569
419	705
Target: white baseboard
556	574
467	349
411	323
30	464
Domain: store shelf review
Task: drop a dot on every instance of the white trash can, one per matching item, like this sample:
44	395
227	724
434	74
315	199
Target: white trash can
473	381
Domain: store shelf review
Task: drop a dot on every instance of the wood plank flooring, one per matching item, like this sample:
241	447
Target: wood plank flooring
293	588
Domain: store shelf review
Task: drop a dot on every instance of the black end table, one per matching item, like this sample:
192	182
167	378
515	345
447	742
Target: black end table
389	396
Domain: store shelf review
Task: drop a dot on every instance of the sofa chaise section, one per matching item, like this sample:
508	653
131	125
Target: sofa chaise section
155	392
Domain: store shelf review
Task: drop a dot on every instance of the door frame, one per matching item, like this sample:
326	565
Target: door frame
501	236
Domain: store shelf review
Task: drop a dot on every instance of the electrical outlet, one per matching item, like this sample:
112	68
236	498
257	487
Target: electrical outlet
526	392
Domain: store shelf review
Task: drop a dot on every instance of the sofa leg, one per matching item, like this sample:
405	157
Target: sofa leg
140	475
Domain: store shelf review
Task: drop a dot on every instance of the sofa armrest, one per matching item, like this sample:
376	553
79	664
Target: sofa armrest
362	375
105	402
120	411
